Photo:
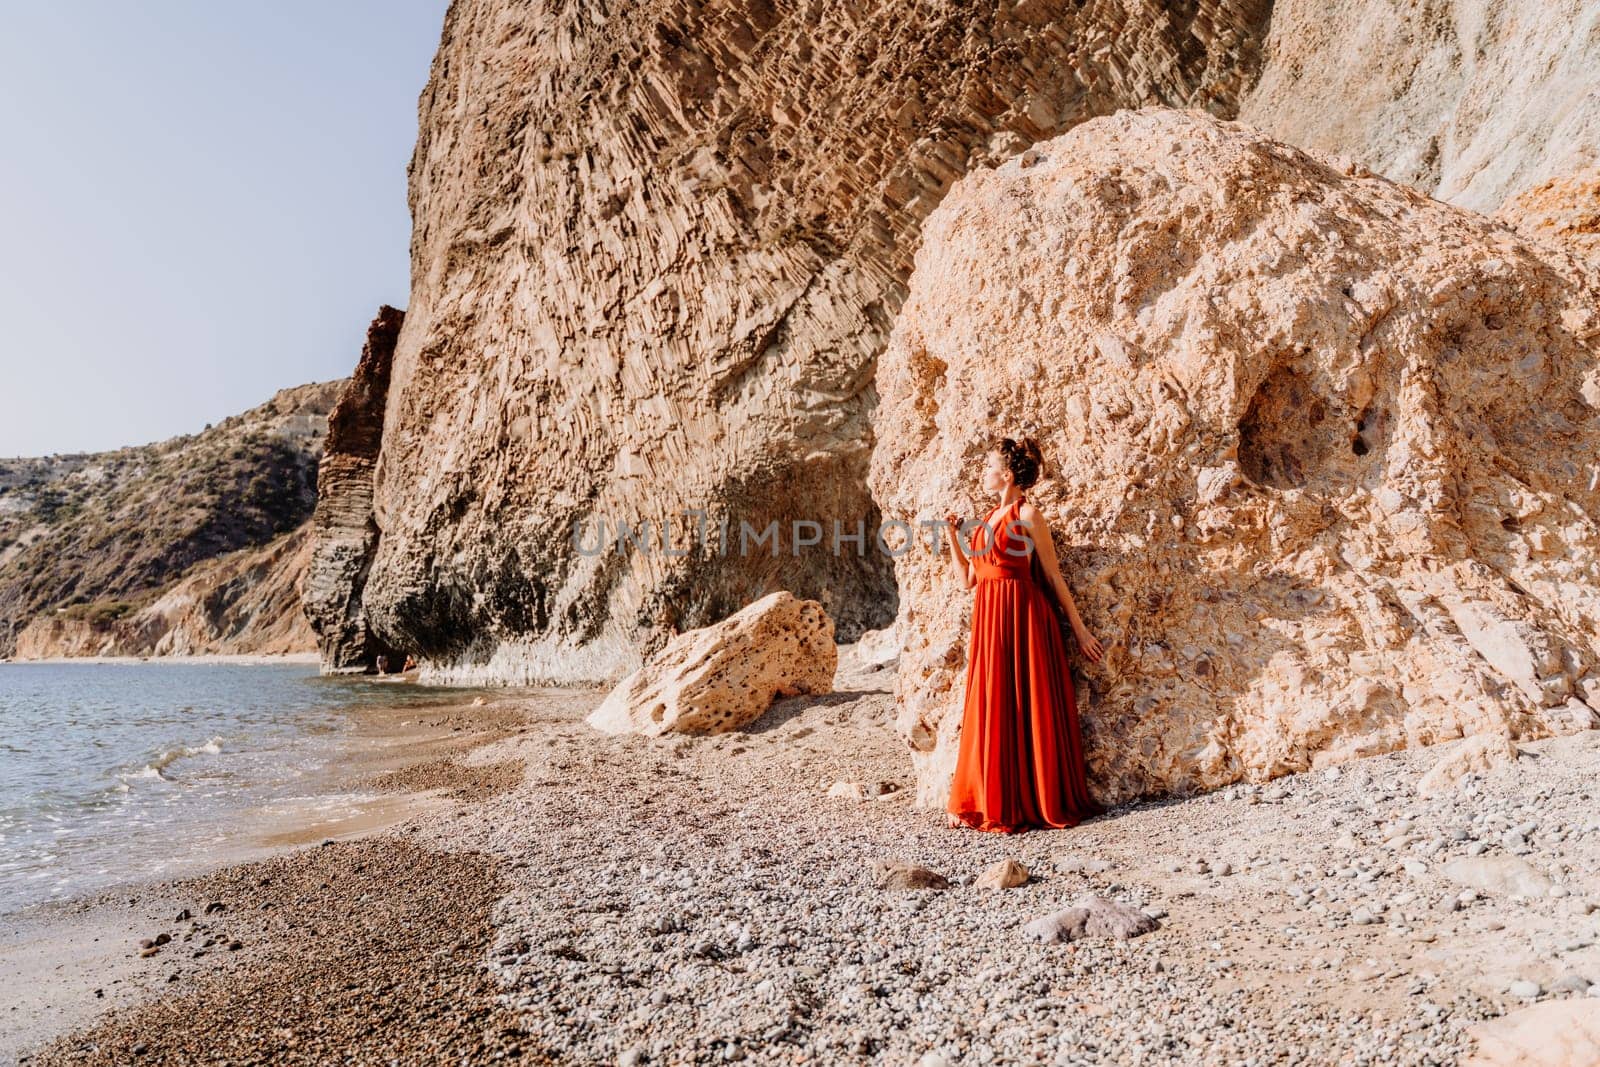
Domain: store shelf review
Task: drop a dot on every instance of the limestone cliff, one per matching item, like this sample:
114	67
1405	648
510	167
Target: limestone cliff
344	534
1323	454
245	602
1468	100
657	249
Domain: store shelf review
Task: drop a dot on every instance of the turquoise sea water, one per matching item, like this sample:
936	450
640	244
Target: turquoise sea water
113	772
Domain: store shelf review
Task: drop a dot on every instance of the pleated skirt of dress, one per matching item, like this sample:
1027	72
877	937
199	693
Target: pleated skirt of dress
1020	762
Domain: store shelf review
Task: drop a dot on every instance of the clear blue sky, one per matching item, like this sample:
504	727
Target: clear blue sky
201	202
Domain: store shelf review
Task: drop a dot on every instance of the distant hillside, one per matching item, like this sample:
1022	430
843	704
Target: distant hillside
242	602
102	534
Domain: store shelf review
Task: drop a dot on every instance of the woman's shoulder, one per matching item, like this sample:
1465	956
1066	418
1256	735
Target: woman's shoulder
1028	513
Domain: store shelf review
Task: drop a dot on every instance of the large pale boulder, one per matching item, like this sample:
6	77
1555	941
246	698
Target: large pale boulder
1091	915
1474	755
724	676
657	249
1321	452
1498	874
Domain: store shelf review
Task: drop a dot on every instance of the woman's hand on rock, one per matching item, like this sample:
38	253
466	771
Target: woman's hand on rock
1090	647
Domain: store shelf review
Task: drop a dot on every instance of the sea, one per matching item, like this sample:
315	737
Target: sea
121	772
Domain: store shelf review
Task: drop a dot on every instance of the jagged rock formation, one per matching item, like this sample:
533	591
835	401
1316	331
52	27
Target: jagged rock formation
1321	452
657	249
103	534
1563	211
246	602
344	532
1467	100
725	676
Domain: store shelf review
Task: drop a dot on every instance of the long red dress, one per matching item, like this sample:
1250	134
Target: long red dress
1020	763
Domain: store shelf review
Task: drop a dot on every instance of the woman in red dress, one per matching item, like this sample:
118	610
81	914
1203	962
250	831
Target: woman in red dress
1020	763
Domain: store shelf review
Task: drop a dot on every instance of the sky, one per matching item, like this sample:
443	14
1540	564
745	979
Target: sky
201	203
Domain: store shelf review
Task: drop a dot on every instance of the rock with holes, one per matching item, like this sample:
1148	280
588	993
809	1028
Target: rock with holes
1322	455
724	676
1091	916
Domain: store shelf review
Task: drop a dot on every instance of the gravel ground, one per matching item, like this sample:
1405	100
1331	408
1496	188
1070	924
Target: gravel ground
684	900
453	779
367	952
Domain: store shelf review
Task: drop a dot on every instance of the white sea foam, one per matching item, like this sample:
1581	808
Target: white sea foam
100	761
157	768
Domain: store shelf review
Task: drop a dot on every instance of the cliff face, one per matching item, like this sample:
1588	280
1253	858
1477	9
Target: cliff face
246	602
657	250
344	533
103	534
1468	100
1321	452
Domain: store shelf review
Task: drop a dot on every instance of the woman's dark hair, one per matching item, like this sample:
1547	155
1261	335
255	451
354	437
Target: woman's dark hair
1024	459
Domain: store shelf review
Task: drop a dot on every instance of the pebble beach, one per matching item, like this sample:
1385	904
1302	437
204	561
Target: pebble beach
581	898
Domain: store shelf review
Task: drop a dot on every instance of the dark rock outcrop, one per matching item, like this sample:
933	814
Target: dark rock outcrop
344	532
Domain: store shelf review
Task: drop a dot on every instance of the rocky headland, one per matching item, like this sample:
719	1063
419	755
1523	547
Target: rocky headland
343	528
190	545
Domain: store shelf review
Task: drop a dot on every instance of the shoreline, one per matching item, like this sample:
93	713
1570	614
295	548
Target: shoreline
64	963
242	658
589	898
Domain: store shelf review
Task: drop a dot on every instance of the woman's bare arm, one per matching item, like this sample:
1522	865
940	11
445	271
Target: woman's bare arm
1039	531
963	565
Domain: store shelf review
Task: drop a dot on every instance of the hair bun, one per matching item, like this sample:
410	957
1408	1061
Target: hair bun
1024	458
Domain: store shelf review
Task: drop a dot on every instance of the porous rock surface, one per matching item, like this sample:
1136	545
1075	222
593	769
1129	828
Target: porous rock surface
1321	452
1468	100
724	676
657	248
344	533
1564	211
